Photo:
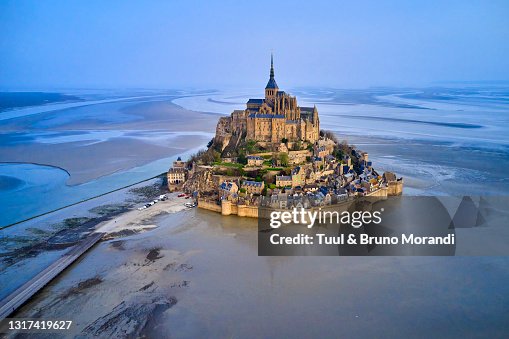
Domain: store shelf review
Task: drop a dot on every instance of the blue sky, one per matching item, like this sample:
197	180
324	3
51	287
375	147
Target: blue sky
171	44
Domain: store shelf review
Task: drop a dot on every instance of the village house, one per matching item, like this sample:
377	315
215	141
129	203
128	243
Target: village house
322	151
253	187
298	176
176	175
283	181
228	189
254	160
297	157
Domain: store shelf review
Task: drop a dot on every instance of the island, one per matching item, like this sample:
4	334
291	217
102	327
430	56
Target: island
273	155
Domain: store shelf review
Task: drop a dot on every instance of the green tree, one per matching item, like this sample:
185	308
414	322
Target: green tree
250	146
217	156
283	158
241	158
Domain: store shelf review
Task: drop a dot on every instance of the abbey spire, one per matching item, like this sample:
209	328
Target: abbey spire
271	66
271	88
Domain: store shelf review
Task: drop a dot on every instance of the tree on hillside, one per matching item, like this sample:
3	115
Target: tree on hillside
283	159
242	159
250	146
210	143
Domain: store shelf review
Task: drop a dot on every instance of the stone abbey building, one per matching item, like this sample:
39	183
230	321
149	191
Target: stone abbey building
269	120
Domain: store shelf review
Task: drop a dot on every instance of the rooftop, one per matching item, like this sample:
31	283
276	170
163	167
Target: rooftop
252	183
270	116
271	84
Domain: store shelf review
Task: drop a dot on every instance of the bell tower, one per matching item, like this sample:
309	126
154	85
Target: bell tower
271	88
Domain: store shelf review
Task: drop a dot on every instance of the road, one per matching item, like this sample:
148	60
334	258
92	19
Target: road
17	298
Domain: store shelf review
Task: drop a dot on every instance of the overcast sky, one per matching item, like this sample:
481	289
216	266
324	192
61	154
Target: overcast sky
172	44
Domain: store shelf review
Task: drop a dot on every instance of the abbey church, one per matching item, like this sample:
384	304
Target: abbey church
272	119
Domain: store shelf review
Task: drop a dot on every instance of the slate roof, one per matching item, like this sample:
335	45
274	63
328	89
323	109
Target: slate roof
271	84
227	186
252	183
272	116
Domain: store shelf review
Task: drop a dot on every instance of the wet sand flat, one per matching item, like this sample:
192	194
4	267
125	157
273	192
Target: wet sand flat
198	274
91	142
86	162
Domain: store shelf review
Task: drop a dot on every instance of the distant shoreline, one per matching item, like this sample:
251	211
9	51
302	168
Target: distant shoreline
16	100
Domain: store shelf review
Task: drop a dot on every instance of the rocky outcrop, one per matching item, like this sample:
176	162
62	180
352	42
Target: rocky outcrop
232	147
229	132
201	181
223	133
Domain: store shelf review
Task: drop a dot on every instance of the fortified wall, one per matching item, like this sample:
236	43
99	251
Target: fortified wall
395	187
228	208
